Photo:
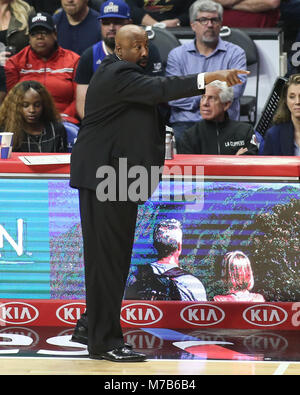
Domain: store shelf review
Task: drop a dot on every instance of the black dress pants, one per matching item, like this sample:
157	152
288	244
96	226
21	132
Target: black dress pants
108	230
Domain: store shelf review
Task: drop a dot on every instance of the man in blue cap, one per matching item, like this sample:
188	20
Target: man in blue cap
113	15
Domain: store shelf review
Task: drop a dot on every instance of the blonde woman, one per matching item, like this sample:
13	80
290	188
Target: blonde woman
29	112
14	24
237	276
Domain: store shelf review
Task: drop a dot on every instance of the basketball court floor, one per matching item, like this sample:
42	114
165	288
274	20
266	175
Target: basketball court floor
174	353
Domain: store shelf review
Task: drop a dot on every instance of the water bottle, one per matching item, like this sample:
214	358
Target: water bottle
169	153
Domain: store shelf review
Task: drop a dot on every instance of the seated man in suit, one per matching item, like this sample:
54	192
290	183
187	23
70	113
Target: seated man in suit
216	134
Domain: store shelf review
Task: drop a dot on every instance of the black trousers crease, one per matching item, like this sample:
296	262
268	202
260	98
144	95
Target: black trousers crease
108	230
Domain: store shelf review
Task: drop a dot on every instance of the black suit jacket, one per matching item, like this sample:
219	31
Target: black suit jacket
122	119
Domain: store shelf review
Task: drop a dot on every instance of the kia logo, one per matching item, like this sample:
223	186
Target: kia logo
70	313
17	313
202	314
141	314
265	315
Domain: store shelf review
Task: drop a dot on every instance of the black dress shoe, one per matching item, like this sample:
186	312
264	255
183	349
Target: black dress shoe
122	354
80	333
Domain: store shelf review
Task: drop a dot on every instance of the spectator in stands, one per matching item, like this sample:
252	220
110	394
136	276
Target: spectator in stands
45	61
28	111
165	279
250	13
77	25
290	11
216	134
171	13
237	276
113	15
51	6
284	137
208	52
289	23
14	16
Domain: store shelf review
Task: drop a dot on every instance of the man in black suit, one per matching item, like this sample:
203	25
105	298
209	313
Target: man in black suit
121	130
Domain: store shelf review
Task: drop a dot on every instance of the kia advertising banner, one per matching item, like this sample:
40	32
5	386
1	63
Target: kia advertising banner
158	314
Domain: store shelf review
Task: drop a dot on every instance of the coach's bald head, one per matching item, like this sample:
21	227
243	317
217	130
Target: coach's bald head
132	44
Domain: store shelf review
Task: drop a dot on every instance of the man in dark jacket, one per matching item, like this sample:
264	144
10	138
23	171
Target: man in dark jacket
120	134
216	134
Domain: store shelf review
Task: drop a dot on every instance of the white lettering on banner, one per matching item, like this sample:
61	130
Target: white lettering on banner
202	314
265	315
17	313
17	246
141	314
296	316
70	313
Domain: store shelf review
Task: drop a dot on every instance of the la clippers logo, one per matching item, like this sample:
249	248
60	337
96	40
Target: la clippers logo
265	315
17	313
141	314
202	314
70	313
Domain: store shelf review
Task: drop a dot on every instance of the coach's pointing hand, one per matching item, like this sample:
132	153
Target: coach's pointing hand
230	76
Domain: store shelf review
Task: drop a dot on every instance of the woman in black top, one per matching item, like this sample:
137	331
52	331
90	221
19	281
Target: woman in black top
28	111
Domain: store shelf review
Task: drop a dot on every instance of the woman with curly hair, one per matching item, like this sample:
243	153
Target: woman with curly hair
283	138
28	111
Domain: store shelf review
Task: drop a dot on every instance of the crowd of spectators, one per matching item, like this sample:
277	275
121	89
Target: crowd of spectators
61	43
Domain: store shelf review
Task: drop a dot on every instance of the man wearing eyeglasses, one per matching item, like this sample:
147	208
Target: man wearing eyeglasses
207	52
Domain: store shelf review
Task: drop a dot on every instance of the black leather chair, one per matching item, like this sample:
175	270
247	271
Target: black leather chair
241	38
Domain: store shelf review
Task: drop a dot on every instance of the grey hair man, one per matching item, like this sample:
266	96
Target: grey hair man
216	134
205	6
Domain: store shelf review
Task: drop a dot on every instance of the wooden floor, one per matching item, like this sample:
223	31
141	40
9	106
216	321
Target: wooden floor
78	366
176	353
